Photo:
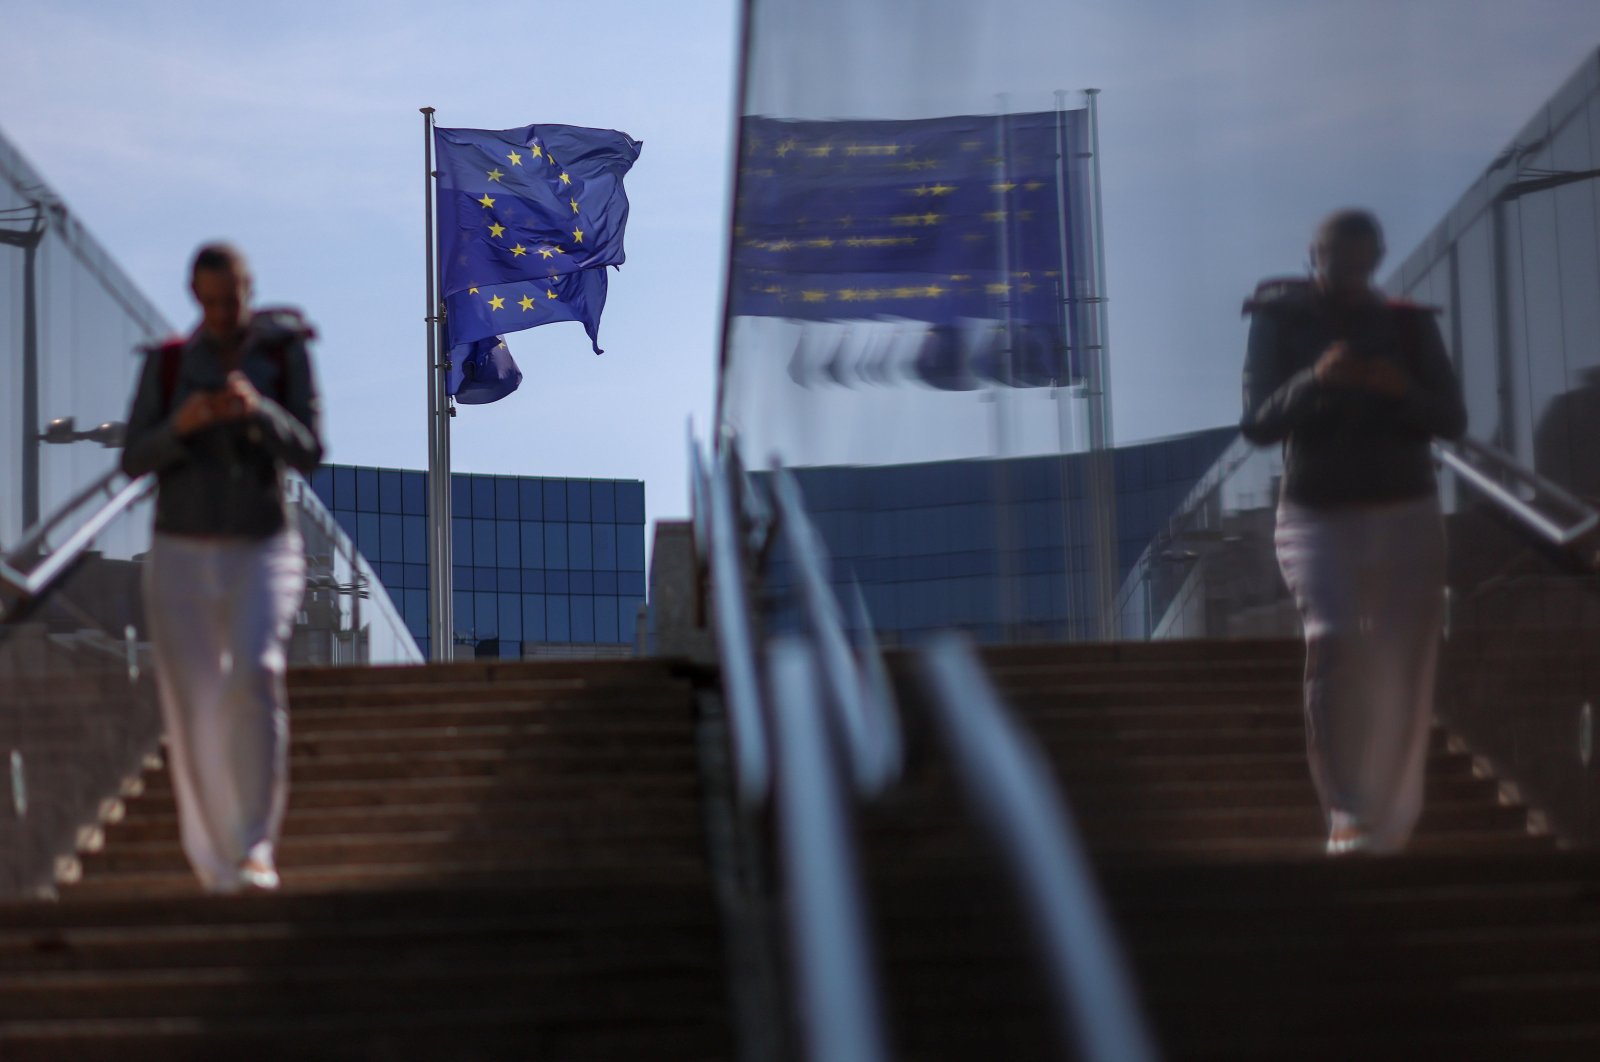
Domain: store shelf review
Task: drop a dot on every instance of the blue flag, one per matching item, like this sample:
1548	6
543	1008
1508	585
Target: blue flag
524	213
482	371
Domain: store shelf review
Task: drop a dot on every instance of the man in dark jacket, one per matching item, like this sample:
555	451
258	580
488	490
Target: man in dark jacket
219	417
1355	386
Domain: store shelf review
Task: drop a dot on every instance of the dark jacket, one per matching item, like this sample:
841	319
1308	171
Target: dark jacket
228	479
1345	445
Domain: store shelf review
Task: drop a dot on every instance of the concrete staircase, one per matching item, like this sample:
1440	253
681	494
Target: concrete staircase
480	861
1185	768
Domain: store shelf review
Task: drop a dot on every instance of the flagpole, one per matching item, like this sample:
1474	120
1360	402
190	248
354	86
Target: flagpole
440	621
1102	469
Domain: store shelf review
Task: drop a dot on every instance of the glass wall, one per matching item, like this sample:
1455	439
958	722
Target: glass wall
542	566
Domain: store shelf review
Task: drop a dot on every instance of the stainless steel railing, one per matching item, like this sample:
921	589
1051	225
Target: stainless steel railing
26	577
1552	514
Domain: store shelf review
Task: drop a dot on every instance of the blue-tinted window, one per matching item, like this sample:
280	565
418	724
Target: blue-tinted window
415	535
393	542
388	491
416	612
414	493
505	498
460	540
577	499
533	618
630	502
344	487
486	614
557	581
508	580
486	579
424	646
582	582
580	546
462	577
510	650
630	583
630	547
605	546
555	544
460	495
532	535
462	604
605	620
530	498
321	480
532	581
390	574
367	490
483	542
582	607
508	547
417	575
555	499
369	534
511	617
482	498
605	582
602	501
557	627
627	611
347	520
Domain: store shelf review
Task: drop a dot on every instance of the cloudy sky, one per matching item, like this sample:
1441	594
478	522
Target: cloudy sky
1228	127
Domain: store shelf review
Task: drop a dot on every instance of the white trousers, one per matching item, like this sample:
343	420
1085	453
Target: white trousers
1369	583
220	612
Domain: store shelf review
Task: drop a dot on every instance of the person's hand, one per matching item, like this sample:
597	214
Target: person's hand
1337	367
198	412
1385	378
239	398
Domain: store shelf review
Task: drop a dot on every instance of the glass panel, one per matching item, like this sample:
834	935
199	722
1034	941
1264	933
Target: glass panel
483	541
461	541
510	622
605	619
369	533
322	484
630	547
344	488
505	498
530	495
580	546
555	543
366	490
460	495
555	499
414	493
482	497
630	501
508	552
582	609
605	546
578	499
602	501
389	491
533	617
532	545
557	626
415	532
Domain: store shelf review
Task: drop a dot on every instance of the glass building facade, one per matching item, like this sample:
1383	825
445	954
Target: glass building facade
999	549
541	566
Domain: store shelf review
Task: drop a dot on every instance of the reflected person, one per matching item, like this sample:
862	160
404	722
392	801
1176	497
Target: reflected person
1355	386
219	417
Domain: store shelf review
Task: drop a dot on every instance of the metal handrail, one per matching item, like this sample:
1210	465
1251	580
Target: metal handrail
833	963
862	709
1585	519
32	538
735	639
35	581
1012	793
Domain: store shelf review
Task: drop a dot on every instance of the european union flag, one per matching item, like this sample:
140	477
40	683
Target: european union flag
528	219
953	222
482	371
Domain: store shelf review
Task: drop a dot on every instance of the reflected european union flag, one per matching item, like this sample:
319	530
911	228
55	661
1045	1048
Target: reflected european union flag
528	220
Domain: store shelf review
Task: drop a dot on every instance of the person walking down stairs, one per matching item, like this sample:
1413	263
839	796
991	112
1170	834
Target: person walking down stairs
1355	385
218	417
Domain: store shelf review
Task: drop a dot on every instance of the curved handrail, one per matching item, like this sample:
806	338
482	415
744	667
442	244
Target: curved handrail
834	968
1011	790
864	713
735	640
38	579
33	537
1570	536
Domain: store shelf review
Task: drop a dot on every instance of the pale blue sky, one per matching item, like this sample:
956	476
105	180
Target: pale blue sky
1228	127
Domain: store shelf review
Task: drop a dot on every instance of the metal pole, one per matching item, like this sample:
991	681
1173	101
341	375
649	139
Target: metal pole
438	501
1101	465
1061	392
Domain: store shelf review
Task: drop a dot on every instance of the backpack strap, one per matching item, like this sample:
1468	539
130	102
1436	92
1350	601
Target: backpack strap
171	355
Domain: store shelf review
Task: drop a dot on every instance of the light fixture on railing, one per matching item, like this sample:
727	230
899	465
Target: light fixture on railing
65	430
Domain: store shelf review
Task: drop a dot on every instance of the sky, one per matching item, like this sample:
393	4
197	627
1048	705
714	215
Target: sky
1227	129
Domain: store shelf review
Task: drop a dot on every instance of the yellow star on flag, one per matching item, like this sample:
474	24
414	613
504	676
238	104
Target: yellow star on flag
495	175
495	229
518	251
577	235
545	252
549	294
566	179
496	302
537	151
487	201
526	302
472	291
574	203
516	159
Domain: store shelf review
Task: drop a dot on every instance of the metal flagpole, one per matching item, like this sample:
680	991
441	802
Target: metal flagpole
1061	390
440	621
1102	472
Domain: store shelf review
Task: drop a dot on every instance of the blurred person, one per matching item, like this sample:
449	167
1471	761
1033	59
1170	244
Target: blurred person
219	417
1355	386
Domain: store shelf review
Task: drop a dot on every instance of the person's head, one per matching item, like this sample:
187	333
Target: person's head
1347	249
220	281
